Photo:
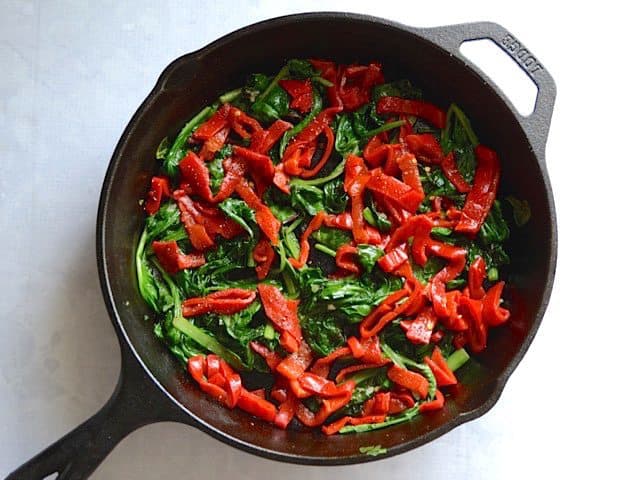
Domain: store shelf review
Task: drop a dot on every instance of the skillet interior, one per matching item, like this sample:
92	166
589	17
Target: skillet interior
196	80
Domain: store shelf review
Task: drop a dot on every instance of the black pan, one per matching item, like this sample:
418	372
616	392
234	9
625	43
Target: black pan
153	386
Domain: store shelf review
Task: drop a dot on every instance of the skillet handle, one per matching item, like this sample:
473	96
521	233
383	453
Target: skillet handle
535	125
135	402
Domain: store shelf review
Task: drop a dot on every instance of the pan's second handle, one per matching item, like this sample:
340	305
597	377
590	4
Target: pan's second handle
135	402
535	125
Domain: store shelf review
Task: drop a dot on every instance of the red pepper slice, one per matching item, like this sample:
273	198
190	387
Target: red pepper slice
214	144
301	94
450	170
383	314
317	125
320	386
263	254
477	332
343	221
234	170
399	402
410	228
223	302
286	412
483	191
240	121
259	166
323	365
379	404
390	166
271	357
335	427
342	374
263	142
420	329
425	147
417	108
315	224
172	259
213	125
347	258
282	312
393	259
356	178
408	379
159	189
308	173
197	367
193	222
410	174
256	406
492	313
196	175
477	274
399	192
367	351
433	405
328	406
329	71
296	363
267	222
375	152
442	372
281	179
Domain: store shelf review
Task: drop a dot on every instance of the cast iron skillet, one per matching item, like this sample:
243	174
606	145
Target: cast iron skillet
153	386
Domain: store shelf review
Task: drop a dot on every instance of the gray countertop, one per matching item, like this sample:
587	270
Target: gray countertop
71	76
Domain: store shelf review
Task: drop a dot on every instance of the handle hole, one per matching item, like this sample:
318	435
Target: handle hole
51	476
503	70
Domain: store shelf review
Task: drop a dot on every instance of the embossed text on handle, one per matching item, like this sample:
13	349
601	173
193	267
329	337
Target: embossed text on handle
521	54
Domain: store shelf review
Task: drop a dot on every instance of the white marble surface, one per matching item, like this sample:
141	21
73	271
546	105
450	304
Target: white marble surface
72	74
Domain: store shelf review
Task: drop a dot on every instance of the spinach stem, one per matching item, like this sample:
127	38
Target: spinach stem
457	359
325	249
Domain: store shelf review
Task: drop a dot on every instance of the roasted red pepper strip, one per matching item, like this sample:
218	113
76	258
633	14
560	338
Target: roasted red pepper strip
410	174
263	254
379	404
193	222
216	222
234	170
196	175
477	332
315	224
383	314
425	147
356	178
450	170
213	125
240	121
414	225
286	412
301	94
420	329
320	386
197	367
267	222
477	274
375	152
442	372
282	312
343	221
263	142
393	259
271	357
308	173
492	313
483	191
214	144
323	365
336	426
435	404
329	71
410	380
159	189
224	302
399	192
328	406
172	259
417	108
347	258
367	351
296	363
257	406
400	402
260	167
317	125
